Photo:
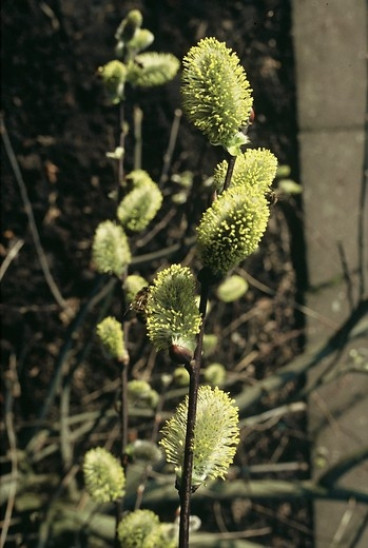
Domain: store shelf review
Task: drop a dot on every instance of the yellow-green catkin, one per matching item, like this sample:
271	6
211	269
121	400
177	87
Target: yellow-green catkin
216	436
114	75
172	314
103	475
110	250
254	170
110	333
216	93
231	229
141	203
215	374
142	529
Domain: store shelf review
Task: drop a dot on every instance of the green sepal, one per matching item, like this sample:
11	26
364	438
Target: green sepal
234	145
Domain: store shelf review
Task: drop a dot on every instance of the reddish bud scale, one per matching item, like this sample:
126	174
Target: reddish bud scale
180	354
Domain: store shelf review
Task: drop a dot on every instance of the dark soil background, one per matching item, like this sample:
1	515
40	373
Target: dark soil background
61	128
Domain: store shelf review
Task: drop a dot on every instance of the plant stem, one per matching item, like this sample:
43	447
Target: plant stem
123	413
122	145
185	490
230	169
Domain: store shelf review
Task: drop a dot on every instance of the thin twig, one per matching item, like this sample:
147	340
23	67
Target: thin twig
346	274
158	418
171	146
229	172
156	229
277	412
138	117
122	146
301	308
123	412
147	258
343	525
359	531
228	491
32	223
12	253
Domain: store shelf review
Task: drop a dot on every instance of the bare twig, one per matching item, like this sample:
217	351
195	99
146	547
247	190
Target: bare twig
147	258
301	308
359	531
254	489
276	413
138	117
229	172
344	522
12	253
346	274
156	228
32	223
171	146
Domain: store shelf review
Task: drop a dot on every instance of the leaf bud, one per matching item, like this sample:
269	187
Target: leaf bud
140	394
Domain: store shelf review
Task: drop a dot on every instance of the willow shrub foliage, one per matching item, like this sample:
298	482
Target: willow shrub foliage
217	99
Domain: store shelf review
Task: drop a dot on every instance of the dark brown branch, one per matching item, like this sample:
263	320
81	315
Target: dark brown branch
229	172
185	490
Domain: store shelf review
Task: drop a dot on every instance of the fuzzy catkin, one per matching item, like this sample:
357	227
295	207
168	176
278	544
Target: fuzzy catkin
215	90
172	314
231	229
216	435
110	250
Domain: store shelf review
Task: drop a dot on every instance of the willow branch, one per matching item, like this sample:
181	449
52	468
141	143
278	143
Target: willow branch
186	480
171	146
229	172
255	490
